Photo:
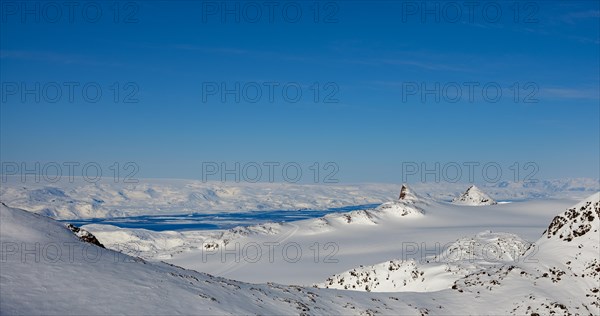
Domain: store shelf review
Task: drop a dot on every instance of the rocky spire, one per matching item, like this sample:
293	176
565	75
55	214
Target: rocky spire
407	194
403	192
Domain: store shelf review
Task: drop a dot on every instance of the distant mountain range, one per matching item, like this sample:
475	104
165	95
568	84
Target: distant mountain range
157	196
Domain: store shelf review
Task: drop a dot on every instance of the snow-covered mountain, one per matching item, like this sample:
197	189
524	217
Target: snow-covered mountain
474	196
47	269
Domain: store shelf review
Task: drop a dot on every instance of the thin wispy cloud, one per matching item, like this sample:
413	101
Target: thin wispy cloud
54	57
424	65
408	62
587	40
374	61
239	51
574	17
571	93
213	50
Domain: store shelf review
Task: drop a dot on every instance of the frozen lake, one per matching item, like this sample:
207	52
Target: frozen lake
199	221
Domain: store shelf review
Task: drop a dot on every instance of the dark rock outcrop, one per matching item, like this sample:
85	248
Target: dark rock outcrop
84	235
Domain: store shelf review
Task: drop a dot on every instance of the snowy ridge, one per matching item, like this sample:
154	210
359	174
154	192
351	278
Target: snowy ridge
400	208
408	205
149	244
474	196
433	273
486	246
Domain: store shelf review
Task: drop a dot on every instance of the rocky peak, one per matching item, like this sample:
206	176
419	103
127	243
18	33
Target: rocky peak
406	194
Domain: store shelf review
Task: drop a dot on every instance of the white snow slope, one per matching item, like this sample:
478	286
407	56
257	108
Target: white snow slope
86	279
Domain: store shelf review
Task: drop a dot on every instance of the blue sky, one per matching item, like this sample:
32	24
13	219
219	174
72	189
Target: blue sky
364	55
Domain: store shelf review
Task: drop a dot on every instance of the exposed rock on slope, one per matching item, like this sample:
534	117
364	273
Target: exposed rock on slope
84	235
575	222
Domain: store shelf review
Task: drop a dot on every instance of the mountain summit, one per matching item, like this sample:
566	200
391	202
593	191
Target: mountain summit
474	196
406	194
